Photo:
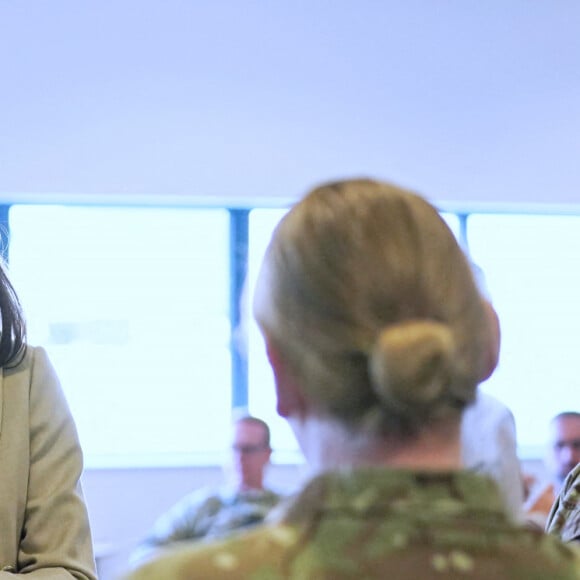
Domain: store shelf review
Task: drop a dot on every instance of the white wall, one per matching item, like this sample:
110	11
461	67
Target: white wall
462	100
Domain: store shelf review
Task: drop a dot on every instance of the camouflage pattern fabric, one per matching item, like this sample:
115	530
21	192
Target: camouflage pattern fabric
379	523
564	519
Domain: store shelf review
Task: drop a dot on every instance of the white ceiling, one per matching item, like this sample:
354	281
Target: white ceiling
464	101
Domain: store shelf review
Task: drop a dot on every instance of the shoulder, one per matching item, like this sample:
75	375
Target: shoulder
268	496
564	556
35	383
486	407
34	364
243	555
487	431
572	483
22	385
24	399
564	519
45	386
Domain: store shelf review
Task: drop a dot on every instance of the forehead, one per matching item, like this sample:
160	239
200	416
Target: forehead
566	428
248	431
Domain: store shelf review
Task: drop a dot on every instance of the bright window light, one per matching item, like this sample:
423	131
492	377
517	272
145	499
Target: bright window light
532	268
132	306
261	399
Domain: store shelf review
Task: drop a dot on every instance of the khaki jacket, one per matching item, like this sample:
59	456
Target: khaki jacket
44	527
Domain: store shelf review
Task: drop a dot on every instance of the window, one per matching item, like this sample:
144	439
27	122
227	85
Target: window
132	306
532	269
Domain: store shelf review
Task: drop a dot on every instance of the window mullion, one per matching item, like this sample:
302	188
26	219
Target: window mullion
238	271
4	231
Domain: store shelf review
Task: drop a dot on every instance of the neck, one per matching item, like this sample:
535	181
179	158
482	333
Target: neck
327	445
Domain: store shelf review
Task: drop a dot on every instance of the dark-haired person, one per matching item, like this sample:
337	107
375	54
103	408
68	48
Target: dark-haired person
378	337
44	526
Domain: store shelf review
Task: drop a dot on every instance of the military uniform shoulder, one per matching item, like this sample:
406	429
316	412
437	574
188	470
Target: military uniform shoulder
564	518
255	554
572	481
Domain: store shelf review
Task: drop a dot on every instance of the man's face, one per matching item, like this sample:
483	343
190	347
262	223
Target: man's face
250	454
564	446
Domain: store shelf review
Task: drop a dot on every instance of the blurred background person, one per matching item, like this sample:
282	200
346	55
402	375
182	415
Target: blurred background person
562	456
378	337
209	513
564	446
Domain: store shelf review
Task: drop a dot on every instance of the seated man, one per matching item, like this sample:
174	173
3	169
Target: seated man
562	456
564	519
206	513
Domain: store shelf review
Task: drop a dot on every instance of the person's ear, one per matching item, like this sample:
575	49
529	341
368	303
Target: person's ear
289	398
493	341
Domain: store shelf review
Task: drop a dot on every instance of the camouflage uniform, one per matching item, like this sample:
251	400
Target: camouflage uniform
207	514
378	523
564	519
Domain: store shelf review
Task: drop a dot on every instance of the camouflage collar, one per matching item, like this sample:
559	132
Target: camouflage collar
379	492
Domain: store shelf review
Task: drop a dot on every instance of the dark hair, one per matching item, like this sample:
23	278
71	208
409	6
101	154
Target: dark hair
13	332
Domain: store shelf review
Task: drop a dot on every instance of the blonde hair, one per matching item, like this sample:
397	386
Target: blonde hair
366	293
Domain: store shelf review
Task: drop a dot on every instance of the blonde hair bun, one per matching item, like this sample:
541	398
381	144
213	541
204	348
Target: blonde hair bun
411	365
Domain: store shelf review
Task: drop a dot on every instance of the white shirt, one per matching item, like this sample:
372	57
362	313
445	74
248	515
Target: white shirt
488	441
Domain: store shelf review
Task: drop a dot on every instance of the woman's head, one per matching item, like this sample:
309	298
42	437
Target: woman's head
367	297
